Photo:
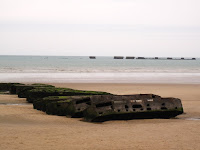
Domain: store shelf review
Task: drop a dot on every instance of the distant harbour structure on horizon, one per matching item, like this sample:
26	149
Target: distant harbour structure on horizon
166	58
169	57
92	57
130	57
140	58
118	57
149	58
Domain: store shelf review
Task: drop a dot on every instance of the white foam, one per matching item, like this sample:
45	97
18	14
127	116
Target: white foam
181	78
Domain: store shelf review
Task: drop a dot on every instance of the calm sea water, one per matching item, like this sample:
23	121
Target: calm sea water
77	69
70	64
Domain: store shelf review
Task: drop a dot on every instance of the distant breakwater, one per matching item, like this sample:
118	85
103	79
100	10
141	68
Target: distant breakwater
155	58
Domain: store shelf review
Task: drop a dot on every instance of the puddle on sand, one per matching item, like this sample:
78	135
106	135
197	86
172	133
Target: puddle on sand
4	92
17	104
192	118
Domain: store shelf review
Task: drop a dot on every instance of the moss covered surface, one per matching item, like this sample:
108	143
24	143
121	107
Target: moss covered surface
13	88
40	104
40	84
61	105
22	91
91	115
45	92
78	105
6	86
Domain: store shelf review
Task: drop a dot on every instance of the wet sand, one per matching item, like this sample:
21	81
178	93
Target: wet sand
22	127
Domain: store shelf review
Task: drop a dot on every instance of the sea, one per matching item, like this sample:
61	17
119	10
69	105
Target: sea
82	69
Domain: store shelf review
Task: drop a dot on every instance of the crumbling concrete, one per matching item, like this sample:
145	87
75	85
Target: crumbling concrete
39	93
125	107
72	106
22	90
96	106
7	86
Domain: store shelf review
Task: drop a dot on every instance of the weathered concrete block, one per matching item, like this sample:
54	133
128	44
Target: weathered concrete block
39	93
13	88
132	107
40	104
57	107
6	86
21	90
79	104
72	106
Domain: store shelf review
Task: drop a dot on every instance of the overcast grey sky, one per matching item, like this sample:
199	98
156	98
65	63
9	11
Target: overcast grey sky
100	27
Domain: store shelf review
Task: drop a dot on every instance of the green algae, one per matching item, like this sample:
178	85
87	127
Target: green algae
60	105
6	86
22	90
40	104
13	88
45	92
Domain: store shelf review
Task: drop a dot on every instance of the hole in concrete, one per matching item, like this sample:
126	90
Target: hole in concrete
133	109
137	106
89	103
176	108
141	109
118	110
126	107
58	105
163	104
148	105
111	107
100	113
148	108
163	108
104	104
78	109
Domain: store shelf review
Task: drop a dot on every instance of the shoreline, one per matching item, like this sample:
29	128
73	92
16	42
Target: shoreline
158	78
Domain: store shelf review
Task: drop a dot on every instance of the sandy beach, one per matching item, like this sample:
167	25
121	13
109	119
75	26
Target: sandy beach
23	128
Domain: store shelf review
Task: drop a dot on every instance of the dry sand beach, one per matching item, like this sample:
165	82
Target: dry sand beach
22	127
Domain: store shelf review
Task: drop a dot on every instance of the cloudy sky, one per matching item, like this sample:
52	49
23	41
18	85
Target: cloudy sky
100	27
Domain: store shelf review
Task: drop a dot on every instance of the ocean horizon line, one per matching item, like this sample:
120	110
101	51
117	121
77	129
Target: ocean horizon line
35	55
